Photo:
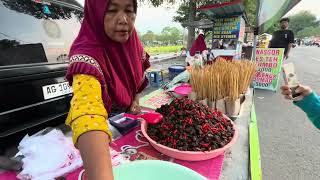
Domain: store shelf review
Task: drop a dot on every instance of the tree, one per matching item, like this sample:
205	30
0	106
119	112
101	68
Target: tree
308	32
157	3
299	22
148	37
176	34
160	38
165	34
183	15
187	12
302	20
272	29
171	34
251	9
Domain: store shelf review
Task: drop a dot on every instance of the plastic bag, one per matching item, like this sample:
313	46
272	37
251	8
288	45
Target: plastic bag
47	155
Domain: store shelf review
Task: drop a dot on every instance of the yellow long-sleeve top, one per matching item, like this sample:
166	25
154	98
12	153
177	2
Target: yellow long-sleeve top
87	112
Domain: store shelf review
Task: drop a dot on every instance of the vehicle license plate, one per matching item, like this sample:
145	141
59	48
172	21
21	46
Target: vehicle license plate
56	90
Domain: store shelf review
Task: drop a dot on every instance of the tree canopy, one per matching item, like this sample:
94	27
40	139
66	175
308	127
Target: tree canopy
187	12
169	35
302	20
308	32
303	24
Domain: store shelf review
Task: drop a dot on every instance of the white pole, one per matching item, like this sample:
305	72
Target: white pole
255	39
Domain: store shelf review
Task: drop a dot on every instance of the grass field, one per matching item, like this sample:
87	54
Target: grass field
162	49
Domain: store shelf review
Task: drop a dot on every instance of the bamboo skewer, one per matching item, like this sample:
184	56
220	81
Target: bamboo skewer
222	79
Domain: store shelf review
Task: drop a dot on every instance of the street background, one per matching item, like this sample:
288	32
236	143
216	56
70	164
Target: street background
290	144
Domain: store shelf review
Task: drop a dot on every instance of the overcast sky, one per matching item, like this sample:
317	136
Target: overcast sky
311	5
155	19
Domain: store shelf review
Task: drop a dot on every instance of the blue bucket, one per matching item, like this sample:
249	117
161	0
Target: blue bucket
175	70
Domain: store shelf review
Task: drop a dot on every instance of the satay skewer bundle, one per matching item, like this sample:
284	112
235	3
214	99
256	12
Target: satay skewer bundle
222	79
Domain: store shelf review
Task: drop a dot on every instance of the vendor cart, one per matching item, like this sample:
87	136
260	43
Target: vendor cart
227	26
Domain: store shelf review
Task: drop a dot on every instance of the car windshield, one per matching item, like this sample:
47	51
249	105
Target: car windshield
35	31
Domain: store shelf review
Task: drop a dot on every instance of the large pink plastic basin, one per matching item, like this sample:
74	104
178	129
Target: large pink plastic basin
188	155
183	90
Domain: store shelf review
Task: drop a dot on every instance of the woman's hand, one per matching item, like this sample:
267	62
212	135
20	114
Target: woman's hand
135	107
303	90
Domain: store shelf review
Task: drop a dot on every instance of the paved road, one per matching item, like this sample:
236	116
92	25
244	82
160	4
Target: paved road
290	145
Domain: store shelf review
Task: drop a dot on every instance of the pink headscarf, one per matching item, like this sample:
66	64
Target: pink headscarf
118	67
198	45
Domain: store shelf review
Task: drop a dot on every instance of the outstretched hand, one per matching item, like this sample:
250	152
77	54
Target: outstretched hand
303	90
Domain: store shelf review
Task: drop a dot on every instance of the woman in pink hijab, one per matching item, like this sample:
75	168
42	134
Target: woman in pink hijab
106	71
198	45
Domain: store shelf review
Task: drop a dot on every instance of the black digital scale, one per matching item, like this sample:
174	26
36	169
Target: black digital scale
123	124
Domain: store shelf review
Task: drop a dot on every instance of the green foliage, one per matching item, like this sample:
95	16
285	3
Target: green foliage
273	28
168	36
163	49
308	32
184	11
188	12
171	34
148	37
251	10
302	20
157	3
303	24
182	14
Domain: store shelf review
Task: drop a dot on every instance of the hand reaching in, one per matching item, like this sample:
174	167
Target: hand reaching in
303	90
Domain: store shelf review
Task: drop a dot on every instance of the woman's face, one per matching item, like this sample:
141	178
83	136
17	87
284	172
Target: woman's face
119	20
